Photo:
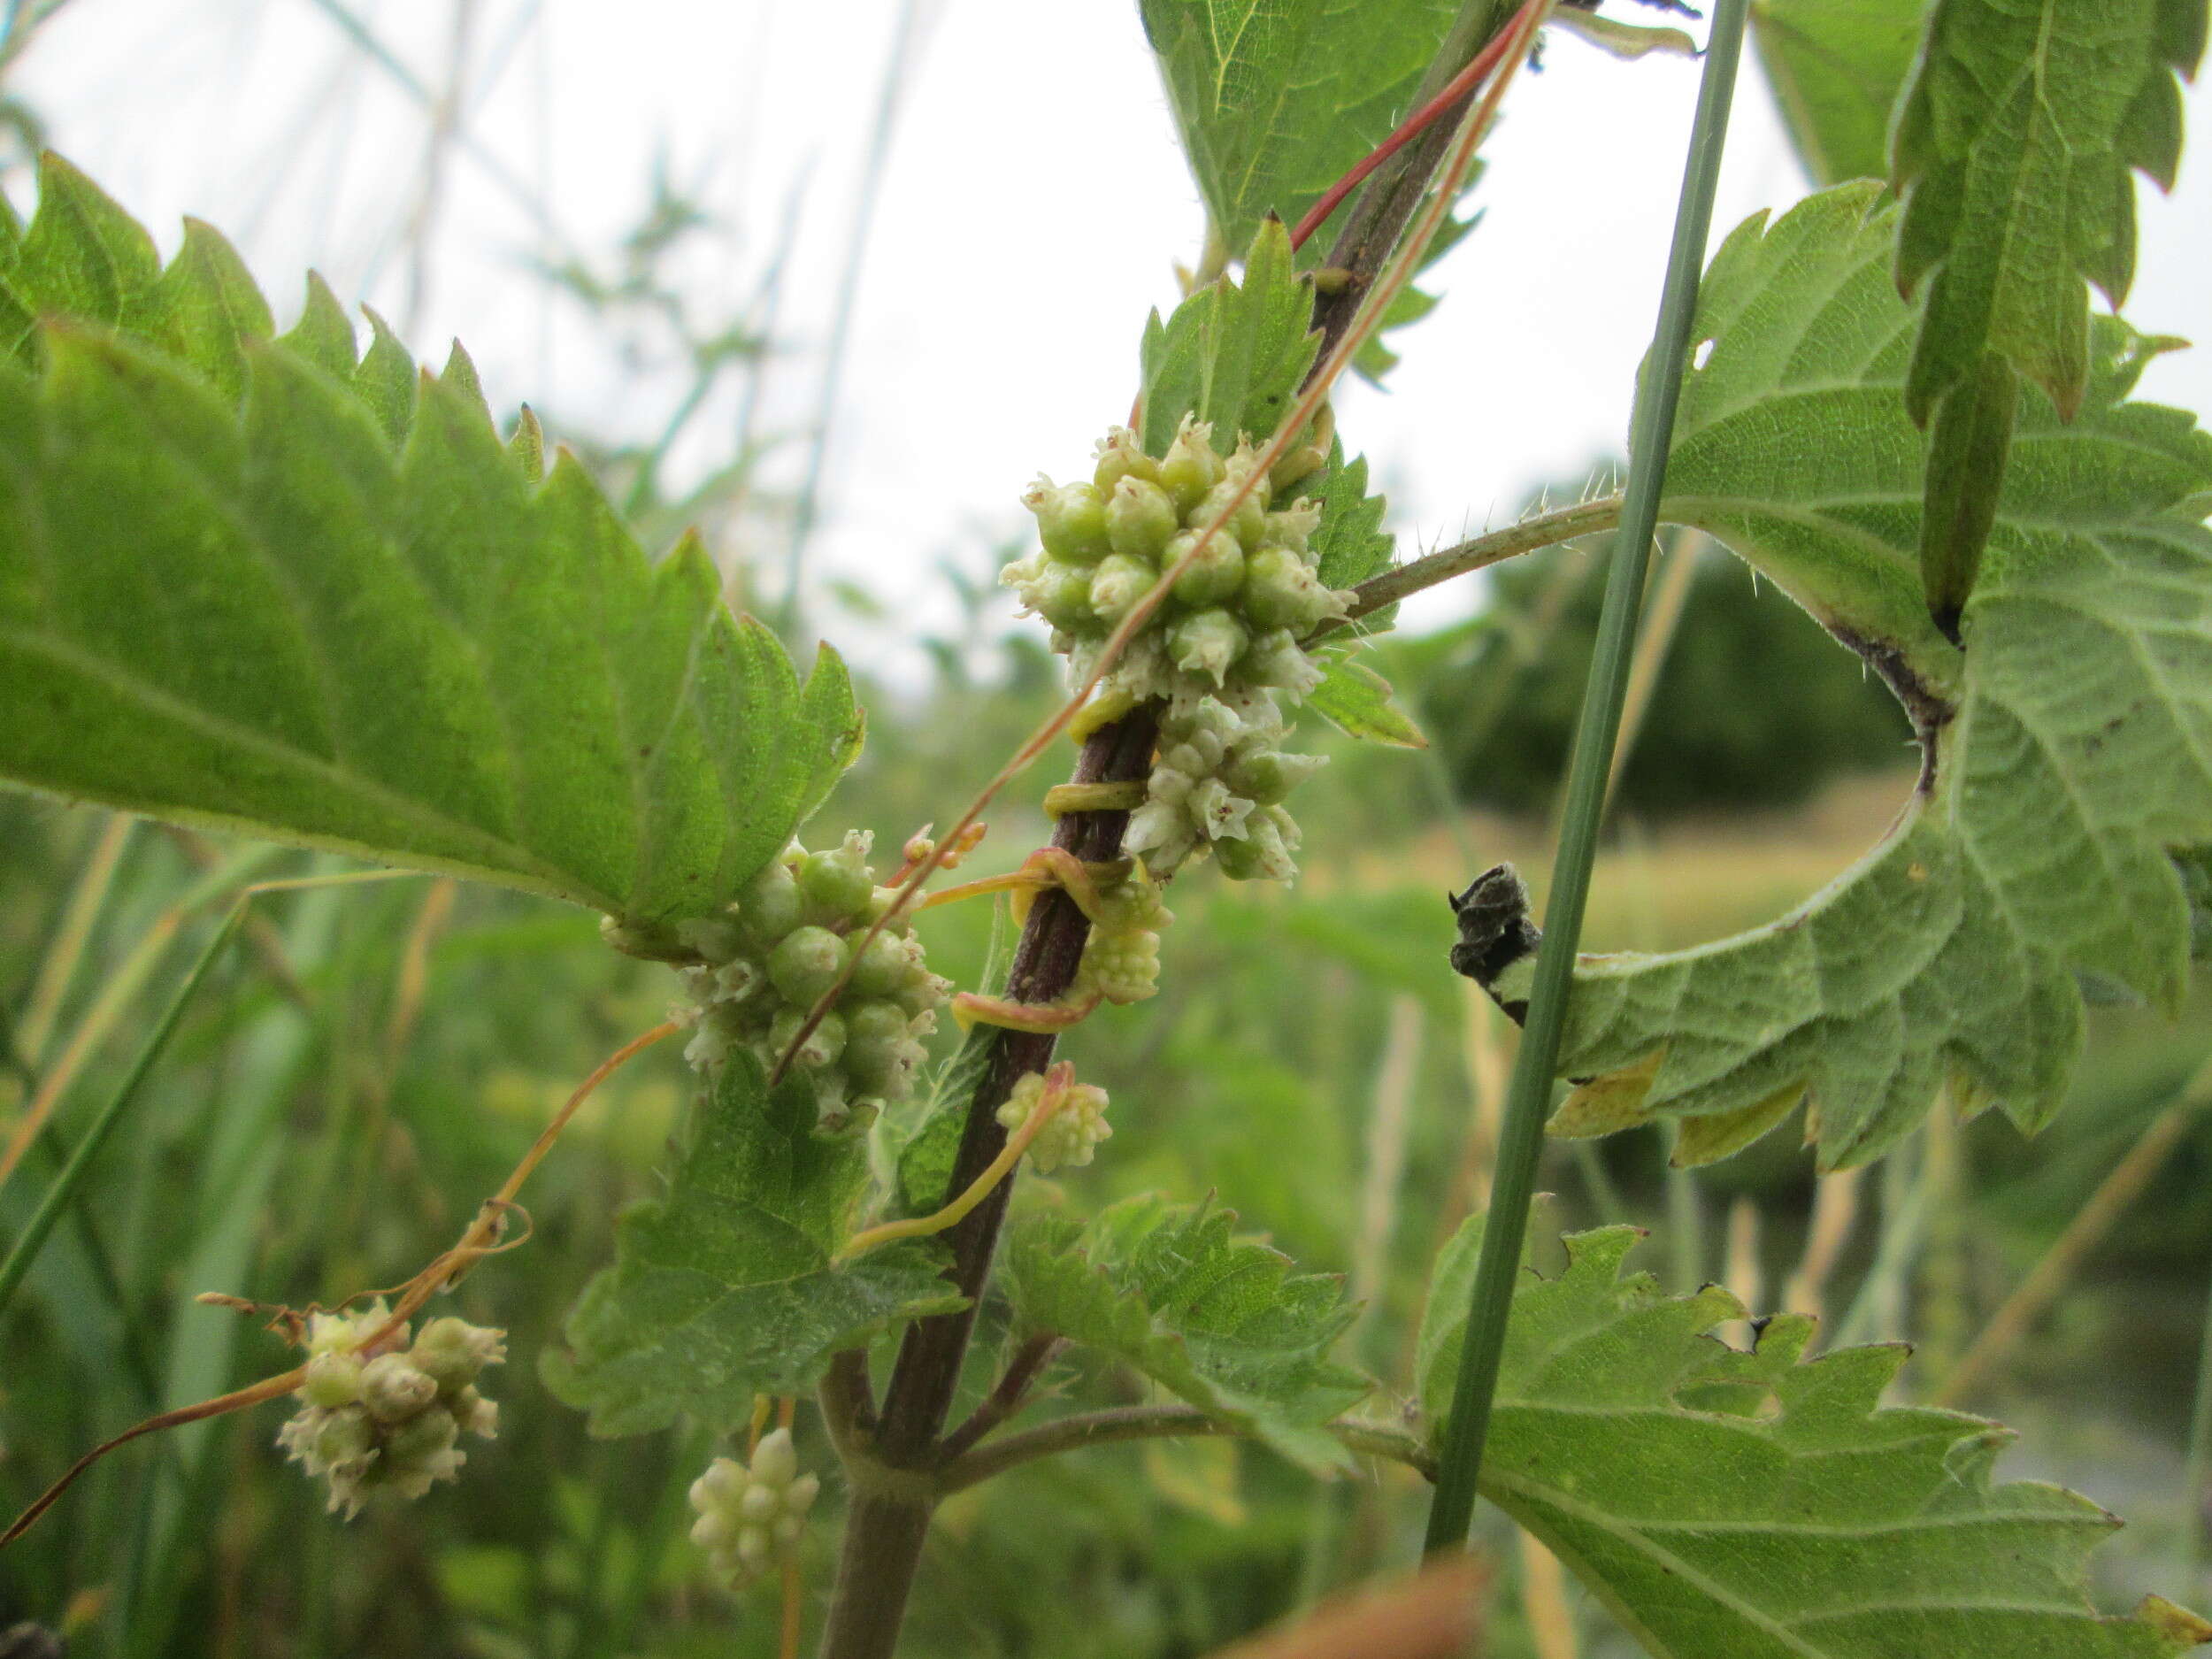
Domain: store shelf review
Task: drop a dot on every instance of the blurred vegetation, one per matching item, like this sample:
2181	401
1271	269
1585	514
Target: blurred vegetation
370	1061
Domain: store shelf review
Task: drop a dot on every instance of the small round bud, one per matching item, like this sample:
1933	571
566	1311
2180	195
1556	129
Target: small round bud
1266	776
1277	659
769	906
1070	520
806	964
717	938
1247	523
888	963
1190	468
1119	582
394	1389
1061	595
422	1438
1119	457
451	1352
1140	519
1292	526
334	1379
1213	576
822	1046
339	1439
1280	592
877	1044
1208	643
775	1459
835	883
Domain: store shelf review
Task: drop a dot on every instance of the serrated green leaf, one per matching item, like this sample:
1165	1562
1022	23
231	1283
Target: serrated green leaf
2071	740
725	1289
1359	702
1836	67
1234	353
260	586
1277	99
2013	145
1227	1325
1760	1505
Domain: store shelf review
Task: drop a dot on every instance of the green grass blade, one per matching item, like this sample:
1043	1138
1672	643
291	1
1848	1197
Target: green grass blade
1527	1104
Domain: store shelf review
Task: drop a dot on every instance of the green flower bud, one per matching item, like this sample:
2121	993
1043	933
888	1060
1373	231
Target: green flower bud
1062	595
717	938
822	1046
769	906
334	1379
1247	523
1215	575
421	1440
339	1439
394	1389
888	963
1240	860
806	964
1292	526
1190	468
1121	581
451	1352
1070	519
1140	519
1119	457
1277	659
1280	592
835	883
1266	776
876	1042
1208	643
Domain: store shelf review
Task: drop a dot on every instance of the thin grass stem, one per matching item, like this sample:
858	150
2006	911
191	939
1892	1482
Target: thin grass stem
1529	1100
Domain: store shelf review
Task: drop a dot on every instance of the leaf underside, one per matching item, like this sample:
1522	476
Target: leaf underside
1760	1505
1836	67
1276	99
1227	1325
2014	150
2071	740
265	585
724	1290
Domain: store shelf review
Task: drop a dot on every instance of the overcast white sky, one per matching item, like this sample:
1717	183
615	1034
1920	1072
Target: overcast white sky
1034	202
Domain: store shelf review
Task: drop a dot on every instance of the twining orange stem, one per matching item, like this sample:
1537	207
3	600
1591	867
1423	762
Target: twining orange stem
1057	1082
1458	87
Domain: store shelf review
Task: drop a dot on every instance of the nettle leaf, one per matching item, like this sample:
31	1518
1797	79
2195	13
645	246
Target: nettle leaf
2069	745
1277	99
1235	354
2013	151
1228	1324
725	1289
1836	67
1757	1504
1359	702
259	585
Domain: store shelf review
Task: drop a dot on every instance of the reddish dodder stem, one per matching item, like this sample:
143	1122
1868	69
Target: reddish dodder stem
1461	87
887	1522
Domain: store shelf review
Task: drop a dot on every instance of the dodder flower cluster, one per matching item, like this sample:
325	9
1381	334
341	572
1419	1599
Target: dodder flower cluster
1230	638
771	954
751	1516
386	1418
1073	1135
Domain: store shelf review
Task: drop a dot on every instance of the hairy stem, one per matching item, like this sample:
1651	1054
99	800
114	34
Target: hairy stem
1541	530
889	1517
1154	1423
